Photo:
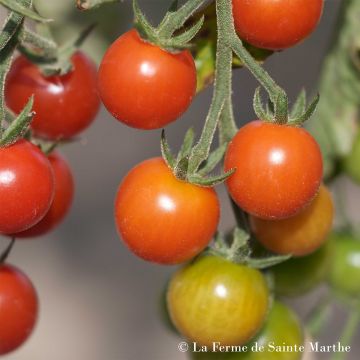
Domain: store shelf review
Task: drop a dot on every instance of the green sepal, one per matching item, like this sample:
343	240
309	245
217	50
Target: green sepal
299	106
181	168
186	147
260	112
307	114
166	151
19	126
211	180
11	25
4	255
265	262
145	29
240	248
23	10
213	160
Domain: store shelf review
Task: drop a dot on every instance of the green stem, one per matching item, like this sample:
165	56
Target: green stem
227	124
348	333
222	86
177	19
318	316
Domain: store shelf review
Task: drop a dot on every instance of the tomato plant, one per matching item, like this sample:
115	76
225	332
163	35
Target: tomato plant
213	299
344	276
18	308
276	24
26	186
301	234
163	219
144	86
282	328
65	105
63	196
275	178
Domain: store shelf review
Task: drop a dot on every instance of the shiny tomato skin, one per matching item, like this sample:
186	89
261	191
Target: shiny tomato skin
144	86
282	328
344	276
18	308
64	105
213	299
301	234
162	219
26	186
278	169
276	24
63	197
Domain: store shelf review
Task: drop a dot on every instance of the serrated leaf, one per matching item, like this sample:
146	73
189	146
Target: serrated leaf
211	180
308	113
187	144
213	160
166	152
266	262
185	37
19	126
23	10
258	105
299	106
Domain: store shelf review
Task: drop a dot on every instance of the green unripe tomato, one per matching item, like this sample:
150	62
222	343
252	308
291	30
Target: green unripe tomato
352	161
282	327
297	276
345	271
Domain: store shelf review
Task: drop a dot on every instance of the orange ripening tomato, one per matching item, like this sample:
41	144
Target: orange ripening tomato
64	193
144	86
278	169
18	308
276	24
299	235
64	105
163	219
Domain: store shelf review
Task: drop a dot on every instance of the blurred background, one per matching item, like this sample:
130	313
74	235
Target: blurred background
97	300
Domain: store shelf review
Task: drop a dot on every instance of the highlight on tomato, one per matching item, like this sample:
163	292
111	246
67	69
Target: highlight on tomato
26	186
213	299
278	169
18	308
63	197
276	25
344	276
282	328
144	86
64	105
161	218
301	234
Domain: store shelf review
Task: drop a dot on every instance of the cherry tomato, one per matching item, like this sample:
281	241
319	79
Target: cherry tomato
276	24
301	234
162	219
298	276
282	328
18	308
352	161
144	86
345	270
26	186
278	169
64	105
64	193
213	299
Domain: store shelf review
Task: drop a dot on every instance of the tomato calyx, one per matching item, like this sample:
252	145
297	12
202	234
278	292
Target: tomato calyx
4	255
276	111
181	166
238	249
163	35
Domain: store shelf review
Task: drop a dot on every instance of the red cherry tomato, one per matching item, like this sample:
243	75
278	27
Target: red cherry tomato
276	24
162	219
64	105
144	86
64	193
279	169
26	186
18	308
301	234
